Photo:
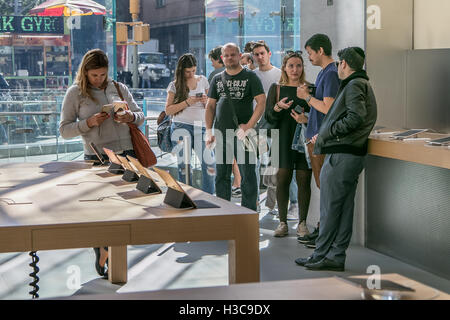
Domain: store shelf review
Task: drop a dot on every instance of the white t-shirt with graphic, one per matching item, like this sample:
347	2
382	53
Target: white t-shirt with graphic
195	112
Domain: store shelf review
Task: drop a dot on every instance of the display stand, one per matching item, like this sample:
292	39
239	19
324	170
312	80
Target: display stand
130	176
178	199
147	185
116	168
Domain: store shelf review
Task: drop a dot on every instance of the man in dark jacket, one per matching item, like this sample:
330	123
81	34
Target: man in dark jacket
343	137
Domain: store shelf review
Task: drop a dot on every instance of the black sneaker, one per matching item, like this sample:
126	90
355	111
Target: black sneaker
307	238
311	244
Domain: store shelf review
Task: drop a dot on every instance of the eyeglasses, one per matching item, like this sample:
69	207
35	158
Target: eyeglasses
337	63
294	53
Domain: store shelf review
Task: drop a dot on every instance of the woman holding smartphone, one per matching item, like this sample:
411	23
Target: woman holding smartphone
82	114
186	101
284	113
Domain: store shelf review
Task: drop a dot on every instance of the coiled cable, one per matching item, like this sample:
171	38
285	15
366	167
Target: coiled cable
33	264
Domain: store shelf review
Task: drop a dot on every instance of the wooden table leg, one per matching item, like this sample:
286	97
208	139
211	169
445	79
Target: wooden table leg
243	252
117	264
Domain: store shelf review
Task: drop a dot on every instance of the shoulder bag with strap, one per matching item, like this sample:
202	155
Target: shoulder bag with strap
141	146
264	124
249	141
164	132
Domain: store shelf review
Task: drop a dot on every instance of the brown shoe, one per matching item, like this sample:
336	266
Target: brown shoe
282	230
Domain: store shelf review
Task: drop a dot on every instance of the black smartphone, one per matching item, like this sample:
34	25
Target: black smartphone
298	109
199	95
312	89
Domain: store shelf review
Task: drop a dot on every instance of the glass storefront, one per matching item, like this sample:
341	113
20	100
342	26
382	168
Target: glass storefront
44	50
239	21
39	56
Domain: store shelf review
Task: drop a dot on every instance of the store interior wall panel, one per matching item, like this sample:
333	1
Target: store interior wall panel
407	216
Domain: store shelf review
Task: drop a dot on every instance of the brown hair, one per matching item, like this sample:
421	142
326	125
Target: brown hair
93	59
284	77
260	43
187	60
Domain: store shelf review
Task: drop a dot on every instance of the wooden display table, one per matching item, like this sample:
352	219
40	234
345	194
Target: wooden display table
63	205
415	151
307	289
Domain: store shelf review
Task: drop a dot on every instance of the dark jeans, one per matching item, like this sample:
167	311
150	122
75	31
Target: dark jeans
338	182
248	172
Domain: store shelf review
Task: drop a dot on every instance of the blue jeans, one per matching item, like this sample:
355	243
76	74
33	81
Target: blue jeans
205	155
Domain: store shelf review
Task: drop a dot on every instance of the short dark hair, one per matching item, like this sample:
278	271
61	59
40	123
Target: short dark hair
260	43
354	56
249	46
318	41
216	54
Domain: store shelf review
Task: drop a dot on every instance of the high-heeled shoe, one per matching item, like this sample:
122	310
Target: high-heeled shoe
100	269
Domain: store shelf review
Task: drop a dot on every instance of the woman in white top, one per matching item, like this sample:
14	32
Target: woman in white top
186	101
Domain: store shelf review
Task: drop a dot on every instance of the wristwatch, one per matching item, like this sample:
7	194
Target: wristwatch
308	98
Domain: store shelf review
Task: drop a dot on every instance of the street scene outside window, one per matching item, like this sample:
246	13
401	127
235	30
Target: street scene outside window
42	44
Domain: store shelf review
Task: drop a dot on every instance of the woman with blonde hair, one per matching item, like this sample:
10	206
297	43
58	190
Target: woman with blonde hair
284	113
82	115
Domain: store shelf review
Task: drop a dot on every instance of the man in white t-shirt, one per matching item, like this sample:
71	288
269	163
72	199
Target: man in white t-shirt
268	74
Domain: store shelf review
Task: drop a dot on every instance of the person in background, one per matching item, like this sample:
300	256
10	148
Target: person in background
186	100
247	61
268	74
216	61
81	115
146	78
283	114
319	50
3	135
343	138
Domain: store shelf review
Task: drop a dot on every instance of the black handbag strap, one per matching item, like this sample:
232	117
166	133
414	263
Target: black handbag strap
227	93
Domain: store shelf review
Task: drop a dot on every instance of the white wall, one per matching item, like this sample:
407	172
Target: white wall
344	23
431	24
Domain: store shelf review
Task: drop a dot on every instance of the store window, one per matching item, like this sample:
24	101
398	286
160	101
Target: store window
276	22
42	48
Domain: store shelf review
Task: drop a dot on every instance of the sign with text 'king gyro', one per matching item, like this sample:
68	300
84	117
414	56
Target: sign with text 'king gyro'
31	24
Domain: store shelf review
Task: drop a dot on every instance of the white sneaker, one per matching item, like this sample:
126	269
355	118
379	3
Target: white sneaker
302	229
281	230
293	211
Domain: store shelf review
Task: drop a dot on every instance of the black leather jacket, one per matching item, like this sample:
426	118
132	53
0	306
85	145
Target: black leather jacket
347	125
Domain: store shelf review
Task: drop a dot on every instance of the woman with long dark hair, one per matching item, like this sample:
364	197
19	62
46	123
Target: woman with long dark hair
186	101
82	115
284	114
